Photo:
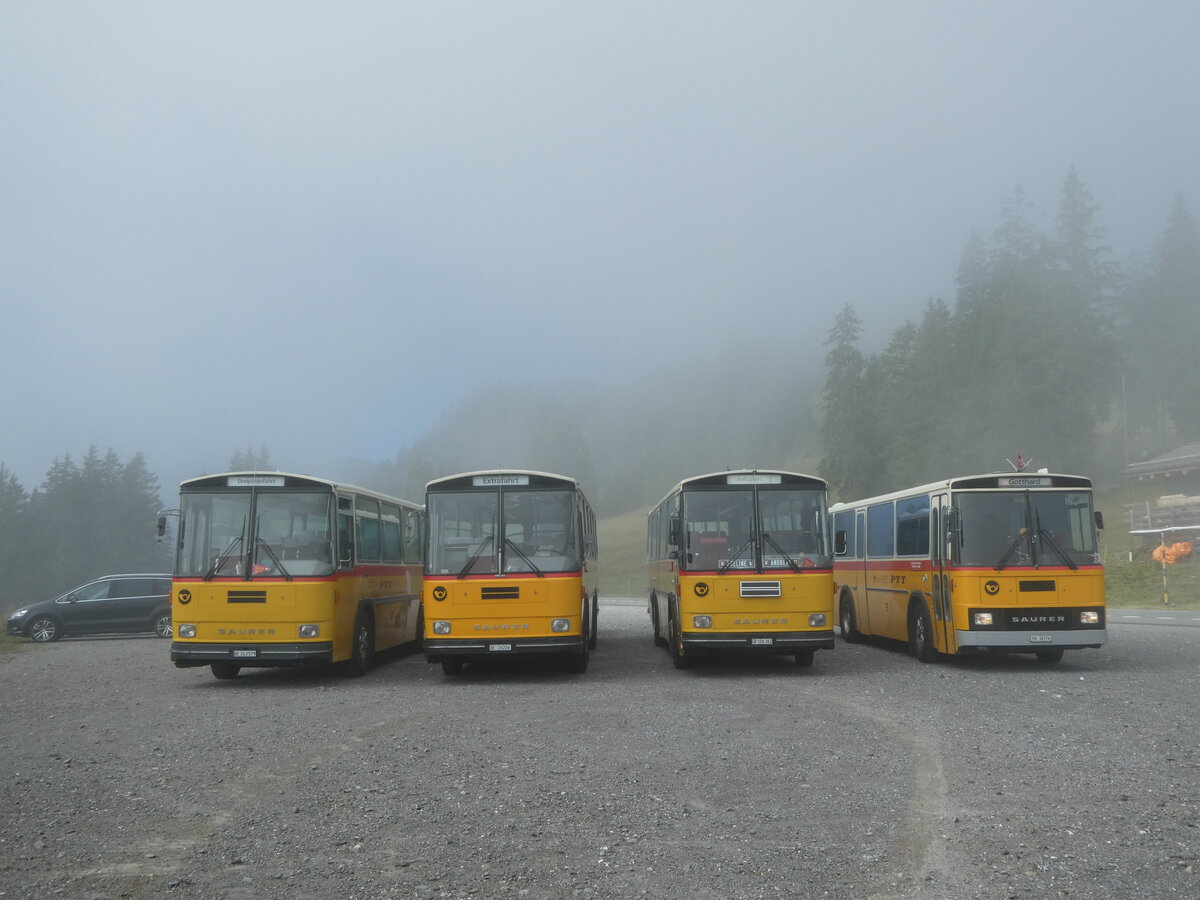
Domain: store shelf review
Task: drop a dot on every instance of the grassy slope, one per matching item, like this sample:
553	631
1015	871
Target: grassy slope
622	541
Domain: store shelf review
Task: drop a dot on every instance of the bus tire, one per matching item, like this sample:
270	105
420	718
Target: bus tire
362	650
162	625
920	632
225	670
452	667
594	637
659	640
678	659
578	662
850	632
1051	656
44	629
804	658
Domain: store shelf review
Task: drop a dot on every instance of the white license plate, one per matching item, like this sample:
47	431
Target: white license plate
499	647
1041	639
762	641
245	654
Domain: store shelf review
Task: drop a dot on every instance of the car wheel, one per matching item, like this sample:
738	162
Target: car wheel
162	625
44	629
225	670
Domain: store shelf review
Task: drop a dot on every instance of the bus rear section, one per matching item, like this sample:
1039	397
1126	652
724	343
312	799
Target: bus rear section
740	561
507	569
285	570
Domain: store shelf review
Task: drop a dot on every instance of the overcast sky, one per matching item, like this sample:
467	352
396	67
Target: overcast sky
316	226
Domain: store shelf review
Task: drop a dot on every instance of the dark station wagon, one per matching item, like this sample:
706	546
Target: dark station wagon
114	604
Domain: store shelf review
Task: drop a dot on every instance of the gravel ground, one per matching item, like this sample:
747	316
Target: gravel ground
868	775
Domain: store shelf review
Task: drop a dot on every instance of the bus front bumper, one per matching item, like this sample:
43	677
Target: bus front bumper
187	655
1033	640
768	642
437	649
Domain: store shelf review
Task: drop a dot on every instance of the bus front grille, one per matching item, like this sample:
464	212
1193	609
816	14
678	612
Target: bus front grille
247	597
760	589
500	593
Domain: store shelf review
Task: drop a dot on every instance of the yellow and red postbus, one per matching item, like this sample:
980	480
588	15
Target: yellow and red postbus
507	569
1002	562
741	560
274	569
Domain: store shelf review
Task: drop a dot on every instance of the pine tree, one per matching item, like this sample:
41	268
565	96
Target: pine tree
848	443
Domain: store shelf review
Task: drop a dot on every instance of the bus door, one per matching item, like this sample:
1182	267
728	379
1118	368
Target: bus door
862	611
939	559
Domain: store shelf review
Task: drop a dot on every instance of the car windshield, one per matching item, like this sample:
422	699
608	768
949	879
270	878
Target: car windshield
1025	529
249	534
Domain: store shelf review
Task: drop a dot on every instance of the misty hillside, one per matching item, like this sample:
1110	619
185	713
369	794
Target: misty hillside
751	404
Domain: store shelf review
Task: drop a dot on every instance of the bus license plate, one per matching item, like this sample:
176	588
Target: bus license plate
1041	639
762	641
245	654
500	647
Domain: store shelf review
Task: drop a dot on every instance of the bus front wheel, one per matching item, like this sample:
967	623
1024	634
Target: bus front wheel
452	666
1050	656
804	658
225	670
363	650
920	633
678	659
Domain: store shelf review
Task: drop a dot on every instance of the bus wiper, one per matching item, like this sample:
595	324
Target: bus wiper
487	539
275	559
796	567
528	561
1011	547
733	557
1045	536
223	558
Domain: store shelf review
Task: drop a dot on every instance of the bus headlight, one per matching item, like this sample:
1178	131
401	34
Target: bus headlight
187	631
702	621
560	625
310	631
441	626
816	619
982	618
1089	617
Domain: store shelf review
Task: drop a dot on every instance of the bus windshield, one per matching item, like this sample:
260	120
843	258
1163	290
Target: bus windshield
1027	529
248	534
536	534
722	533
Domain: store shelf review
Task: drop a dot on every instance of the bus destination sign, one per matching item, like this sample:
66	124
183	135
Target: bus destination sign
255	481
753	478
499	480
1025	481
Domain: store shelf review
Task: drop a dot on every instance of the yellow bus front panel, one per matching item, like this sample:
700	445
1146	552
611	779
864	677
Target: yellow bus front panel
780	612
504	616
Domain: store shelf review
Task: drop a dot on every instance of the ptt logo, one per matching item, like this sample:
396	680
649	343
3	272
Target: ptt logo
992	587
185	597
701	589
440	592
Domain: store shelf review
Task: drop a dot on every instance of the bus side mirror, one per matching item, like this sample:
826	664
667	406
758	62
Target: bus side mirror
161	527
675	534
839	543
1099	520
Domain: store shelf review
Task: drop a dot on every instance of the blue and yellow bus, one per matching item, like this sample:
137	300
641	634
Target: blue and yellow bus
274	569
507	569
740	560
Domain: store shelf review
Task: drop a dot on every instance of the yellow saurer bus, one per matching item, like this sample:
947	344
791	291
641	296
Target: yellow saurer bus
741	560
1003	562
275	569
506	569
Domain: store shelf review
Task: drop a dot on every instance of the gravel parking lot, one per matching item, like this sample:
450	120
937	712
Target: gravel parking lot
868	775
